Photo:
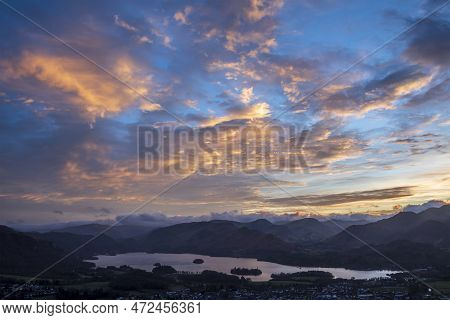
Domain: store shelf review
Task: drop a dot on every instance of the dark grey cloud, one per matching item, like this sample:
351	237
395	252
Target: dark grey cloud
348	197
405	141
429	43
379	92
390	81
37	149
101	211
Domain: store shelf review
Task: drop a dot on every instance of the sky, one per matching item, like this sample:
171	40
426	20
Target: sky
77	78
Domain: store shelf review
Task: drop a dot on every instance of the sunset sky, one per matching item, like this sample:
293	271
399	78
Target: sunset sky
69	108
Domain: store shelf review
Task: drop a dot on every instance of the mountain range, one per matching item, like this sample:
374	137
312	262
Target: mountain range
24	254
431	226
410	239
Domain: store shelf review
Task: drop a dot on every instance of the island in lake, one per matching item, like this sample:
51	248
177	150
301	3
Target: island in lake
198	261
246	272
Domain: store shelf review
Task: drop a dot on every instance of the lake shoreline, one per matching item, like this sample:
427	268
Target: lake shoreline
183	262
277	261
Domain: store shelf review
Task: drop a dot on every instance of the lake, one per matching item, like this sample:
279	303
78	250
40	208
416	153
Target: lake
183	262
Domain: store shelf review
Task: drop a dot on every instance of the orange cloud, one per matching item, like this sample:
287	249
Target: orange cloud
235	69
148	106
246	95
182	16
87	86
258	110
259	9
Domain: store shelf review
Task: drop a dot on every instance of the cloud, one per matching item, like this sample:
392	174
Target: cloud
265	54
140	37
246	95
243	143
123	24
84	84
321	153
376	94
413	125
405	141
164	38
437	93
144	39
182	16
191	103
292	91
260	110
236	69
347	197
258	9
429	43
100	211
326	144
149	106
246	28
287	72
158	220
236	39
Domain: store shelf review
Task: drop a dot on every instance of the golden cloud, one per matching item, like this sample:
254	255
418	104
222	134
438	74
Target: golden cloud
234	39
259	9
182	16
149	106
246	95
87	86
258	110
411	85
235	69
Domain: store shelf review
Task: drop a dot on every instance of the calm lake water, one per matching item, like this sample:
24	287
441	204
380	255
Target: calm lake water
183	262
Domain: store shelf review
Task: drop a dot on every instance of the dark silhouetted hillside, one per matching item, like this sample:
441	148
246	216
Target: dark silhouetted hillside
23	254
115	232
431	226
68	242
218	238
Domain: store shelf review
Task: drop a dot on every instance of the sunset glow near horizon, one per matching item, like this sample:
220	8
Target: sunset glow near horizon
69	108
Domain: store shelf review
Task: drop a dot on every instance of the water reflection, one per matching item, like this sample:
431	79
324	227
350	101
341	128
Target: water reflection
184	262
